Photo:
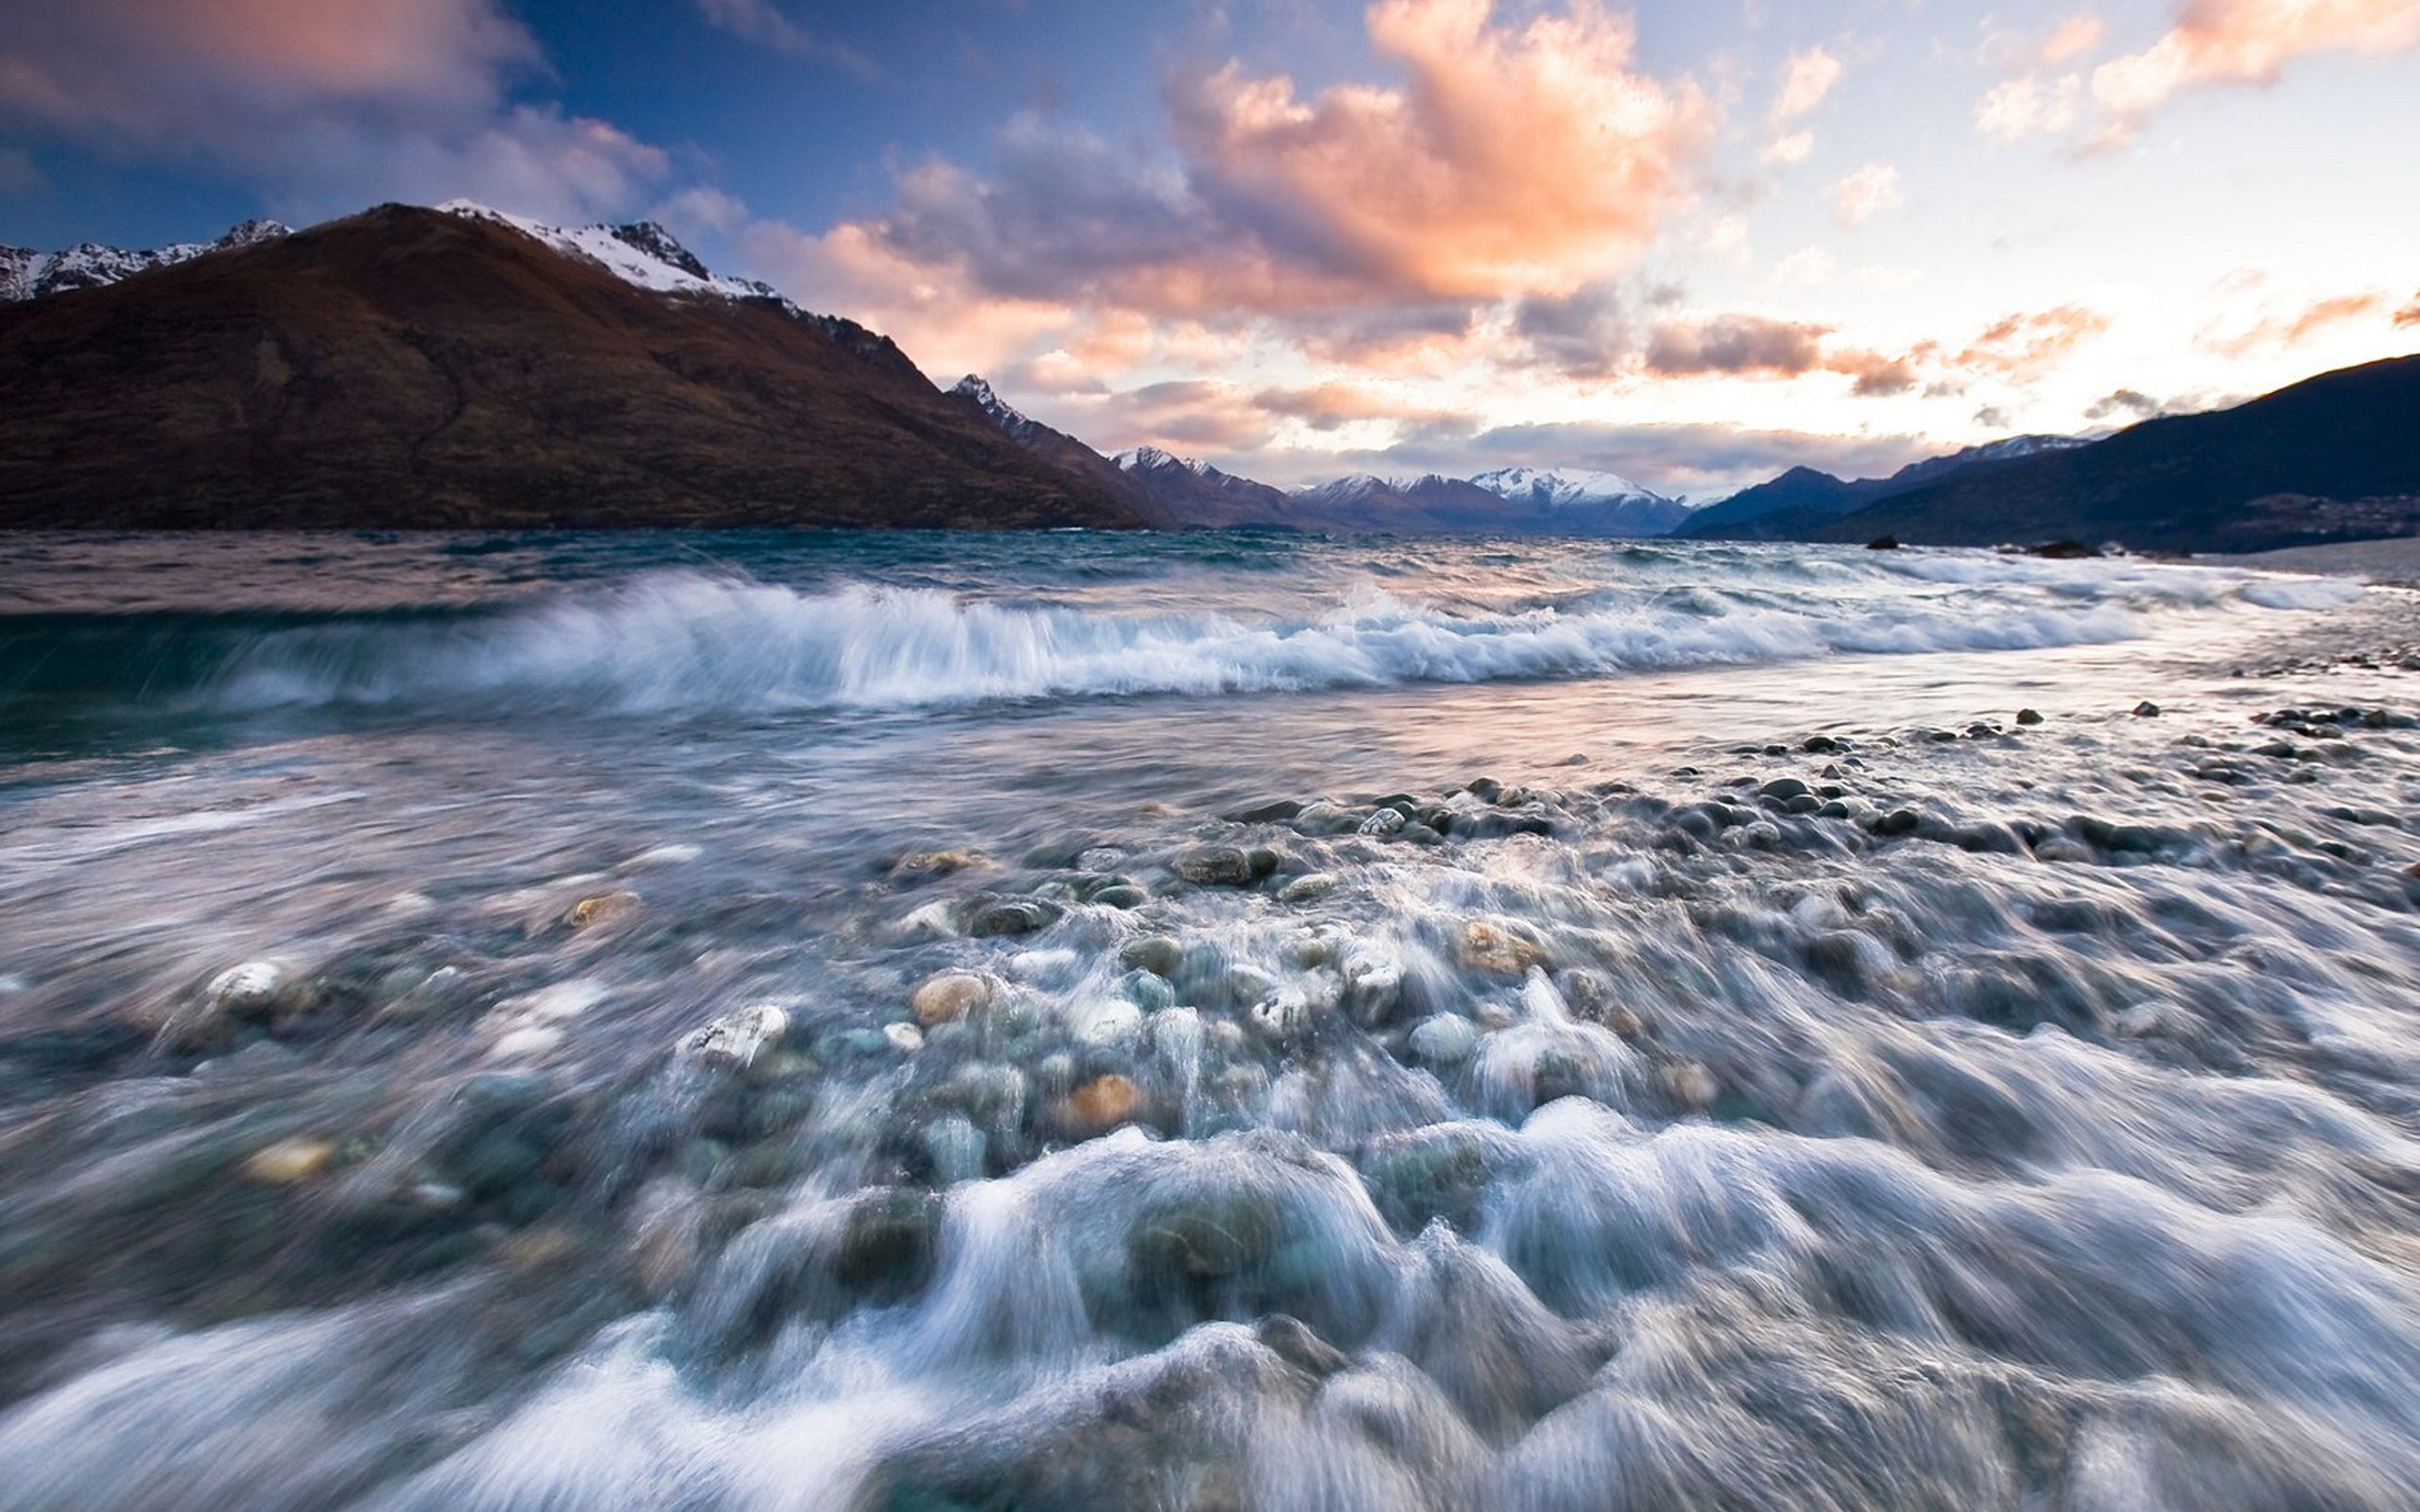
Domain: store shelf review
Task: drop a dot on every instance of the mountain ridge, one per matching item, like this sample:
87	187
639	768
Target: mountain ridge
411	367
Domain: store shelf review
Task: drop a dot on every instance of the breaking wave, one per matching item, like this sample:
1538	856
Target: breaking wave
678	640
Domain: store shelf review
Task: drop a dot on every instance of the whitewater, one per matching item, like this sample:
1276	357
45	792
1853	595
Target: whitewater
1222	1022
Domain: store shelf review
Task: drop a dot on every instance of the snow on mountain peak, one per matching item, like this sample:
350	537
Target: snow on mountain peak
1145	458
642	253
1558	487
26	274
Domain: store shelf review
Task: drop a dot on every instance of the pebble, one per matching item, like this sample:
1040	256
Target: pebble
1489	946
735	1040
2029	717
601	908
905	1037
2147	710
251	990
949	996
956	1147
1156	953
288	1161
1384	822
1311	885
1103	1102
1009	915
1446	1040
1691	1085
1214	866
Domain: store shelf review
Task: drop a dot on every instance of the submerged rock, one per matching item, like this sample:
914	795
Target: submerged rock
1009	915
949	996
1490	945
1103	1102
1445	1039
1214	866
735	1040
601	908
288	1161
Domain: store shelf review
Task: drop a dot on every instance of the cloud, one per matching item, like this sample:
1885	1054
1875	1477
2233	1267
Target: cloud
1878	376
699	208
763	23
1698	460
1795	148
2131	403
1866	193
1804	80
2294	327
2025	346
938	312
1514	161
320	104
1332	405
1736	344
1191	416
2029	106
2242	42
17	173
2409	314
1807	267
2076	38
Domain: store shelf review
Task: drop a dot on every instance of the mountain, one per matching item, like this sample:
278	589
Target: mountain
1510	501
1202	496
456	366
1425	505
2335	457
1172	492
1789	506
26	274
1584	503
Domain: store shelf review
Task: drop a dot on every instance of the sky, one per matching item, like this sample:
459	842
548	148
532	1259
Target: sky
1695	243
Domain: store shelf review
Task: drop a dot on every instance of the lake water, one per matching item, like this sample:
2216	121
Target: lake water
1197	1022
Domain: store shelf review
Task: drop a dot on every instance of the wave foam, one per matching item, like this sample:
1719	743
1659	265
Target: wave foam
679	640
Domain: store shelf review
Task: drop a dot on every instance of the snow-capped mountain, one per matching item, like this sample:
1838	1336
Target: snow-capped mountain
1586	502
1152	459
1509	500
1556	488
409	367
26	274
1021	427
642	252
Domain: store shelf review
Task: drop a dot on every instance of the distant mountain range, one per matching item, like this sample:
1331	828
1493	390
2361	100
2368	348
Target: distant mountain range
460	366
1802	499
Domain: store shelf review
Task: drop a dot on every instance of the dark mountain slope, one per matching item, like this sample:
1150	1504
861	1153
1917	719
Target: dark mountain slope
2335	457
414	368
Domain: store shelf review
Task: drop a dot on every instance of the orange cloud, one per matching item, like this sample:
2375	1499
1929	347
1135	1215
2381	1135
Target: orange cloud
933	311
2409	314
2243	42
137	65
2077	36
2021	347
1515	162
321	104
2299	326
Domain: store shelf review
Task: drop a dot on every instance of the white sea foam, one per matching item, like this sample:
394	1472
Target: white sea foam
676	641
